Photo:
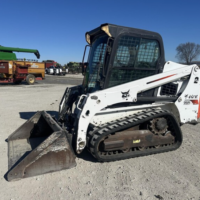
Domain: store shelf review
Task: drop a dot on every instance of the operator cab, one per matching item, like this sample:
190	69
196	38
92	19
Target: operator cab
121	54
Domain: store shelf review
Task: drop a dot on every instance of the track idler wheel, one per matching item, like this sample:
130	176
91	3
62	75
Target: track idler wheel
158	126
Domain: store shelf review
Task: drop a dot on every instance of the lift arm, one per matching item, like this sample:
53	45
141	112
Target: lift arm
96	101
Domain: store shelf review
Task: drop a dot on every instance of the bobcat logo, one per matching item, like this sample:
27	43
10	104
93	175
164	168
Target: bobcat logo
125	94
196	80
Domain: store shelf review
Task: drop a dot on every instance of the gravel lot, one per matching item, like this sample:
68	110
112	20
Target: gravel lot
173	175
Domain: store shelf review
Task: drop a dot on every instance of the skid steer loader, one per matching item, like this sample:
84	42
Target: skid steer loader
131	103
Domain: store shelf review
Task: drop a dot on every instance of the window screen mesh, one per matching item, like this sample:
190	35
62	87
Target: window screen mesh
120	76
139	55
96	60
126	51
169	89
148	54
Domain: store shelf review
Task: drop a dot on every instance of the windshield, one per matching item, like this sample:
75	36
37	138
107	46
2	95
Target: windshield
95	62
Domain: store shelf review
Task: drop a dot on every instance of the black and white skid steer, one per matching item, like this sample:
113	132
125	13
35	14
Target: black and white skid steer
131	103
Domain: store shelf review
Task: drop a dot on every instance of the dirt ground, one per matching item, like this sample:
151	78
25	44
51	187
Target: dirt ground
172	175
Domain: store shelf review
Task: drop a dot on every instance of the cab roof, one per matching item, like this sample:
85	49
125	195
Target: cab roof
113	30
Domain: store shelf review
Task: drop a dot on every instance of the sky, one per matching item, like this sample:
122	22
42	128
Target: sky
57	27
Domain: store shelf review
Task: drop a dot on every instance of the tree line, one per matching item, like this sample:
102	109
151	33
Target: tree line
187	52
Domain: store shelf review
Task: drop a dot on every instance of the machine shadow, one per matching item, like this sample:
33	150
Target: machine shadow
28	115
20	84
85	155
13	84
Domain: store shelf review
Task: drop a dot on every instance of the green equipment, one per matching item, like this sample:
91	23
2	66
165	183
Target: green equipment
6	53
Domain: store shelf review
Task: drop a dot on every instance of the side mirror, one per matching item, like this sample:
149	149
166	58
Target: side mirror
84	68
82	65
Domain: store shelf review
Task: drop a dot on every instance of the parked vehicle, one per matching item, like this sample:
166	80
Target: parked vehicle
60	71
49	63
50	70
55	71
15	71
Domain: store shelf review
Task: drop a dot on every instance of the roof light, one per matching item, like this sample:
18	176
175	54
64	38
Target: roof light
88	38
106	30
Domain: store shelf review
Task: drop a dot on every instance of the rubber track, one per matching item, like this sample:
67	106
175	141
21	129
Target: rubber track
96	134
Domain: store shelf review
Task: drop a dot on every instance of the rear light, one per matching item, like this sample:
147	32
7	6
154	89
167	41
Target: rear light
198	114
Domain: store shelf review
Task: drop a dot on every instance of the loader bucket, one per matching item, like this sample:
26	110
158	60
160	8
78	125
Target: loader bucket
39	146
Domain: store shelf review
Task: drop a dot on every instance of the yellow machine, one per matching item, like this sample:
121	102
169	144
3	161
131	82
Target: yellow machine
15	71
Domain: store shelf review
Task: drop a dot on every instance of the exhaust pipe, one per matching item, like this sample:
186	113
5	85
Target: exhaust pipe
37	147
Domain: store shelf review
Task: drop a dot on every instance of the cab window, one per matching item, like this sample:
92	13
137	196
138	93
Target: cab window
135	58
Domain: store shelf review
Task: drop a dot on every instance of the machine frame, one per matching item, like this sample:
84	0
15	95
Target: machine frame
92	103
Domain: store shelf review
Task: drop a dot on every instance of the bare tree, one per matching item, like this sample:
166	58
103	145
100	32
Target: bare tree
188	52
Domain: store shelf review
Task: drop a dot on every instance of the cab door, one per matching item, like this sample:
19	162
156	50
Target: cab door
133	58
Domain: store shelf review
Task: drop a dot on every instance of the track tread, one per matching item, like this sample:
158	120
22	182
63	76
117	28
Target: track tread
123	123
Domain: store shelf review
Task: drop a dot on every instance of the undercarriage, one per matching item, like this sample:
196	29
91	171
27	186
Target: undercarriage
133	136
